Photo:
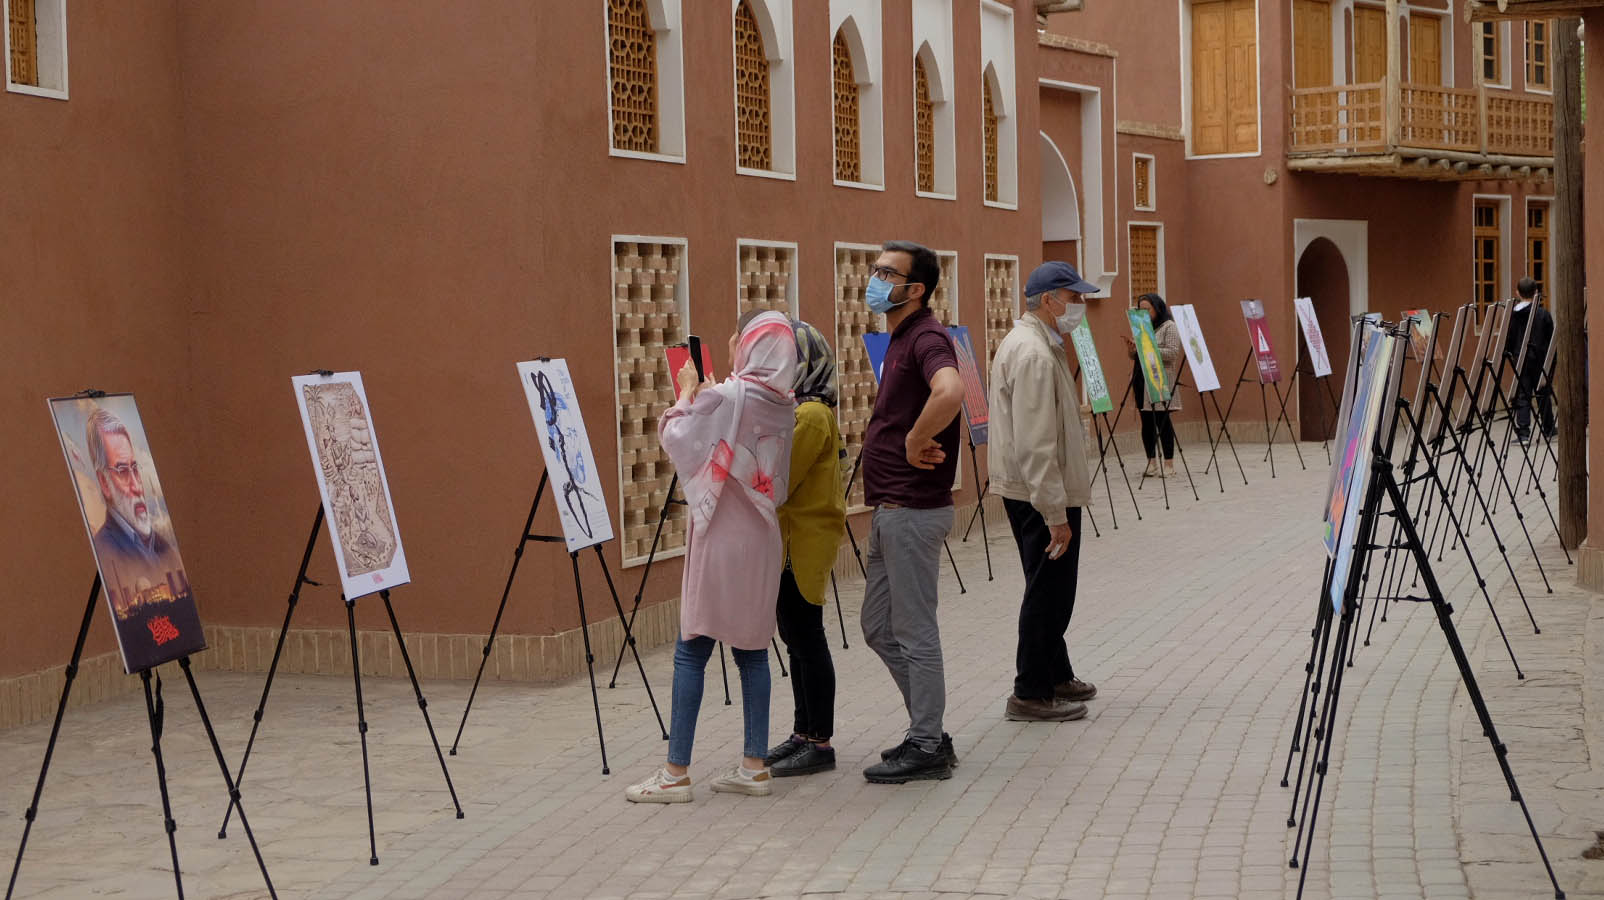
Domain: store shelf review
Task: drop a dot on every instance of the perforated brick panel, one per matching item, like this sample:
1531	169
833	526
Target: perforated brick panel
944	303
1002	283
765	278
857	386
646	318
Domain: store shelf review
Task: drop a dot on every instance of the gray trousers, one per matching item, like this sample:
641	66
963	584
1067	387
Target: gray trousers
899	611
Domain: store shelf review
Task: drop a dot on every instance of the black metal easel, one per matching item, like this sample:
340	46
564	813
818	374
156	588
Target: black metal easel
853	538
1102	458
155	713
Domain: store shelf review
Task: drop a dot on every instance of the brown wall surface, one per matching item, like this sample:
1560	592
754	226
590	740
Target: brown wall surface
91	284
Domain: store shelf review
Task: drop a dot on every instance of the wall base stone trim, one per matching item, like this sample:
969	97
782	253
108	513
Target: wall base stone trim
1590	566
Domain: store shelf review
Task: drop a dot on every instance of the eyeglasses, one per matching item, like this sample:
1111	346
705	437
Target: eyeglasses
125	471
885	273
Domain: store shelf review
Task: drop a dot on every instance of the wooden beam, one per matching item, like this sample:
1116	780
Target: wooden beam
1503	173
1394	95
1490	11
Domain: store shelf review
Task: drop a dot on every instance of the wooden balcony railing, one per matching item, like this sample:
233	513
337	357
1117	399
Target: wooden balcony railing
1352	120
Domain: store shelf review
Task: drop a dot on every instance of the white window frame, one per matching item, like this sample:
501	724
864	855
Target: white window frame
1525	50
1186	82
682	301
933	39
1163	286
50	44
666	22
1506	207
1152	183
997	69
1506	78
793	298
863	41
774	21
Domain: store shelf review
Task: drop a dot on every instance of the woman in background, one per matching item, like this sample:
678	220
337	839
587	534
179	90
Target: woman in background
1156	426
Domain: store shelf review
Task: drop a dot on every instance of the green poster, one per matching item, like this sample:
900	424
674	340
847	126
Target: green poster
1158	389
1091	369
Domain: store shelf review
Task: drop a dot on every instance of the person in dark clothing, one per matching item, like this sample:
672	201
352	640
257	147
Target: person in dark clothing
1157	429
1529	365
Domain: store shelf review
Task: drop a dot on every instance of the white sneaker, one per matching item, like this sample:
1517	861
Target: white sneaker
738	781
661	788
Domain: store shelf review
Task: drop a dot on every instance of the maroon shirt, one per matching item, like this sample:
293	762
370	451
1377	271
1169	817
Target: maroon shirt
920	347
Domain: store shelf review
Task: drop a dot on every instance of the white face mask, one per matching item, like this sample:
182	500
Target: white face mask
1073	314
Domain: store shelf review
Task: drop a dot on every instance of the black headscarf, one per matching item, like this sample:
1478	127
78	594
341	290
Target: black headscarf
1161	310
815	365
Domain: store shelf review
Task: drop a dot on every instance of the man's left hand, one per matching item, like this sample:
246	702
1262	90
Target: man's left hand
926	454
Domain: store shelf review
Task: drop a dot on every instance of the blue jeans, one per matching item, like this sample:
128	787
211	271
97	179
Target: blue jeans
690	664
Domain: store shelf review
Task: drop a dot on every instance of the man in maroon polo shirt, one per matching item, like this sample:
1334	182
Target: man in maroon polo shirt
910	458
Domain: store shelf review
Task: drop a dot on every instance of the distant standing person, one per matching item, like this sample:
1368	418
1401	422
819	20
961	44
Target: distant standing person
910	460
1530	379
1038	466
1157	429
812	521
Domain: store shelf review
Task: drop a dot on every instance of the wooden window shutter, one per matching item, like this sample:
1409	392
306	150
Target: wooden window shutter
989	123
924	121
1243	77
1537	54
1425	50
24	43
1208	77
1369	45
1492	61
1487	237
1311	36
632	61
1144	183
754	148
1144	260
1537	245
848	153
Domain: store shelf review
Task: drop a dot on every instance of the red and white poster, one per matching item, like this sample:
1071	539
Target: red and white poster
1259	338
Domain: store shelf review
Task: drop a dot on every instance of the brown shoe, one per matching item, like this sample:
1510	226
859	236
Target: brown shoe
1053	710
1075	689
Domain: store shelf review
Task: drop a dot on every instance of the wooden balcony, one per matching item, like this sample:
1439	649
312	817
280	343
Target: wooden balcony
1433	133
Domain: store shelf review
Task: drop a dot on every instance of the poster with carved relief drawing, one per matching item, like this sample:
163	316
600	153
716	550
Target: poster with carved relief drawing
574	480
350	477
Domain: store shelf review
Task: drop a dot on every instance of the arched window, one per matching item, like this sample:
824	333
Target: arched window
848	155
754	146
924	120
632	59
989	119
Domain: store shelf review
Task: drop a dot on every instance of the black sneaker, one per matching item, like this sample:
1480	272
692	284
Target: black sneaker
912	764
946	750
784	749
811	758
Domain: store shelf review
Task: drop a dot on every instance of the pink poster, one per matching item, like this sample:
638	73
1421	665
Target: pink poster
1259	338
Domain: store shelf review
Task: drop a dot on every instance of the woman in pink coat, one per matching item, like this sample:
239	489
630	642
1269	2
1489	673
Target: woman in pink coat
731	443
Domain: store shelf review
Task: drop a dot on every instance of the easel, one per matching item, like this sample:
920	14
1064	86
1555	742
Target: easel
1174	438
356	675
1102	463
980	501
526	536
155	714
859	553
1384	486
1264	403
1305	369
1224	434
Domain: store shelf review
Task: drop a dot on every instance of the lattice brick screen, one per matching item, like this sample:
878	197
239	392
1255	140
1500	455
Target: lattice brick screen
632	60
924	128
765	278
1002	281
1144	260
944	302
848	152
1144	182
24	43
856	379
989	117
646	318
754	148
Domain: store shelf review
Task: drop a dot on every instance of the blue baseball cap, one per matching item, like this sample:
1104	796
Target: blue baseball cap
1056	275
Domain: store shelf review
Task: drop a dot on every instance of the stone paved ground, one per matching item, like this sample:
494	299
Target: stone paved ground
1194	624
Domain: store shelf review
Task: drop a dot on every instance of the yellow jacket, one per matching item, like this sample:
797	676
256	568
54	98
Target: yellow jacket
814	516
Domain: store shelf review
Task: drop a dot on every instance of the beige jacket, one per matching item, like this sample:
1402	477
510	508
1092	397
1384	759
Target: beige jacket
1037	448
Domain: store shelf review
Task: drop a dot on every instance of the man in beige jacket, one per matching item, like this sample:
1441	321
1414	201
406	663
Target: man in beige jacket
1038	466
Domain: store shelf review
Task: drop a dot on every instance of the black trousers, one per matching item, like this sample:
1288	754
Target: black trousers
1157	428
1042	659
812	670
1523	407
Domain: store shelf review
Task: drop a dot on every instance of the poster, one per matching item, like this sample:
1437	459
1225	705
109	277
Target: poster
1353	463
1259	339
1420	328
678	355
570	466
125	514
350	477
975	409
876	342
1091	369
1427	352
1319	357
1197	350
1484	331
1152	364
1451	352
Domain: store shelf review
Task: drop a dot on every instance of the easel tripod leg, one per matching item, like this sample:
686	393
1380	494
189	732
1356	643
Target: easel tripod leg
55	731
155	712
955	573
629	638
651	556
590	659
495	625
1287	420
839	615
361	727
423	705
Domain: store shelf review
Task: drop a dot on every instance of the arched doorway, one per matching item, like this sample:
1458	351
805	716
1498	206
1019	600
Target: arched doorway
1323	277
1060	206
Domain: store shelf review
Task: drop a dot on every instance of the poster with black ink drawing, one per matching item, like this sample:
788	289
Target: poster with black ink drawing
575	480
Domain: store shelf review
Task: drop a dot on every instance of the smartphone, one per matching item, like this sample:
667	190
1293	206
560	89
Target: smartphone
695	345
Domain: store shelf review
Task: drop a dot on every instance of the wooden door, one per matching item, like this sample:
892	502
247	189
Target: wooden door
1369	45
1209	94
1243	78
1311	35
1425	50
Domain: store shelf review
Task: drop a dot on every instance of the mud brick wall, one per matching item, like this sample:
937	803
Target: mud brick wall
1002	280
765	278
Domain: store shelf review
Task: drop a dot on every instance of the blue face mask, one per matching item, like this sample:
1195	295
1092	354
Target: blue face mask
878	296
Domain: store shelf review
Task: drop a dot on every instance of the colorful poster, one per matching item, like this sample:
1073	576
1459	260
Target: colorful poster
1259	339
570	466
1091	369
125	513
1319	357
350	477
1420	327
975	409
1158	387
678	355
1197	350
1342	515
876	342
